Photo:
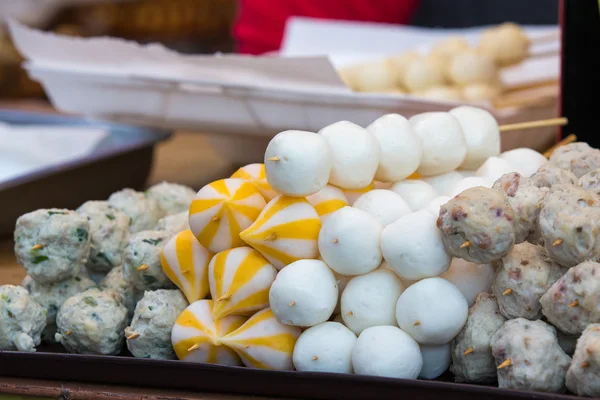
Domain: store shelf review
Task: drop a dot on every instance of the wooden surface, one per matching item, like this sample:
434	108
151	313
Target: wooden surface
188	158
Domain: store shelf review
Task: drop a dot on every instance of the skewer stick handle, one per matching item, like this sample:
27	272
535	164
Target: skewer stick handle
569	139
548	37
534	124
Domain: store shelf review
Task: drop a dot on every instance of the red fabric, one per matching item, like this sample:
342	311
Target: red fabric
261	23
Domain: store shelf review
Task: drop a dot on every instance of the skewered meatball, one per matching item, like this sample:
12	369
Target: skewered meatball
472	359
172	198
526	201
141	261
573	301
477	225
52	244
591	181
579	158
92	322
174	223
22	320
569	222
528	357
109	233
143	212
115	281
149	335
549	175
583	376
522	277
506	44
53	295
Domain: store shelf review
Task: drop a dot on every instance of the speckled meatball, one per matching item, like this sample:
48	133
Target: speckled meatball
172	197
549	175
141	261
570	224
573	302
472	359
174	223
526	201
579	158
115	281
149	335
528	357
52	244
522	277
92	322
583	376
143	212
591	181
53	295
22	320
109	232
477	225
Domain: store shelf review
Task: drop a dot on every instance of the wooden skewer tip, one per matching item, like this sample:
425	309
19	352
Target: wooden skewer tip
469	351
143	267
505	363
507	292
465	244
38	246
574	304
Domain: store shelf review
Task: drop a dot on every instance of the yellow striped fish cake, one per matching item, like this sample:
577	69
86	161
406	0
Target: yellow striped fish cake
353	194
256	175
327	201
221	210
196	336
240	280
286	230
185	262
263	342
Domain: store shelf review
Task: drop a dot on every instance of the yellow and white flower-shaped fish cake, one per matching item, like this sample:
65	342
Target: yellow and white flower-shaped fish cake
240	280
256	175
263	342
327	200
353	194
221	210
196	336
285	231
185	262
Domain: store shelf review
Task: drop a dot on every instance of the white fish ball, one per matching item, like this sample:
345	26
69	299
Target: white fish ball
342	281
304	293
434	205
471	67
436	360
386	351
415	192
355	152
443	183
443	141
432	311
401	149
370	300
349	241
326	347
482	135
385	205
467	183
470	278
494	168
525	161
413	247
298	163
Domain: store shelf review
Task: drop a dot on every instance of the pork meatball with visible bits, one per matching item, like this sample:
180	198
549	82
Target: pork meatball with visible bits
149	335
573	302
92	322
52	244
522	277
579	158
143	212
570	222
477	225
583	376
528	357
549	175
526	201
22	320
472	359
172	197
591	181
141	261
109	232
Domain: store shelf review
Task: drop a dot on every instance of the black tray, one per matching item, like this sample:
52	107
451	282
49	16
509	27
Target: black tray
179	375
121	160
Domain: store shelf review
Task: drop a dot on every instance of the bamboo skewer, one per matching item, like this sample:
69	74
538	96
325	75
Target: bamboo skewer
569	139
534	124
548	37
